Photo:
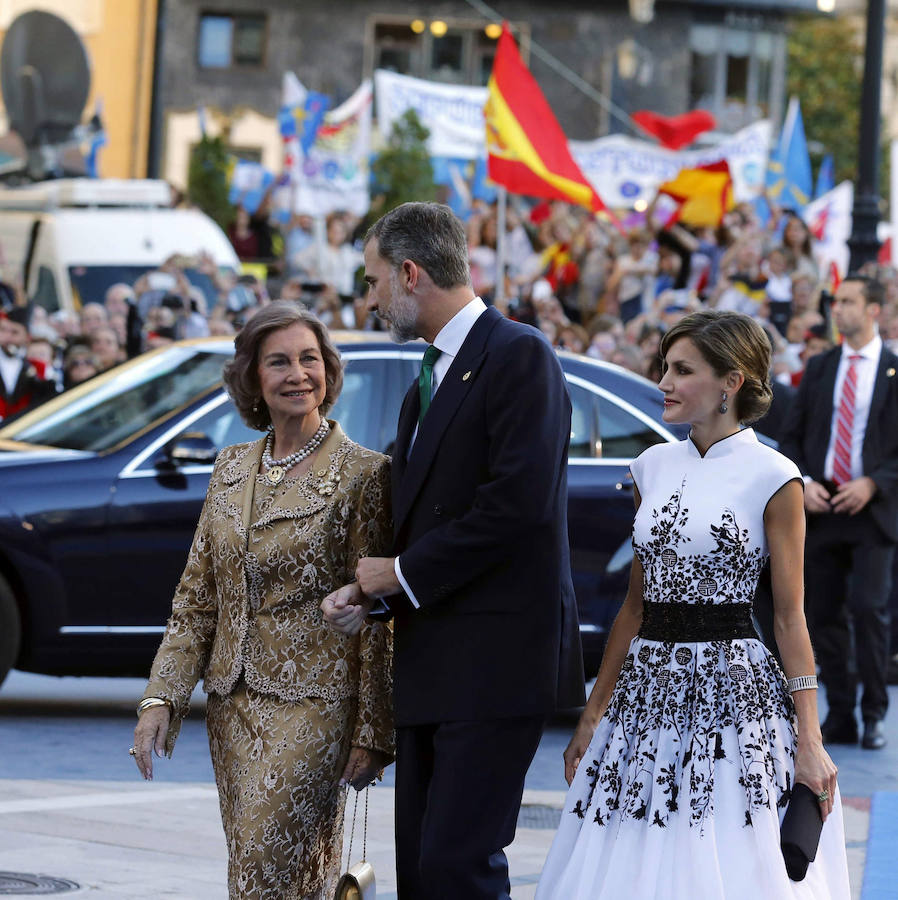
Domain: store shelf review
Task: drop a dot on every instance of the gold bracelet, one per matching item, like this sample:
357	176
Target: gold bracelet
150	702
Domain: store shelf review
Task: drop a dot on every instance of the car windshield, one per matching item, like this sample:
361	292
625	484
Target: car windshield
123	404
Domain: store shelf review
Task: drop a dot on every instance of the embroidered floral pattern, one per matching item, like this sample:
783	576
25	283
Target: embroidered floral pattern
682	715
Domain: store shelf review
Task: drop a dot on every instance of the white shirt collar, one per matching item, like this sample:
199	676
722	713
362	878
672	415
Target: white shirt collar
869	351
452	335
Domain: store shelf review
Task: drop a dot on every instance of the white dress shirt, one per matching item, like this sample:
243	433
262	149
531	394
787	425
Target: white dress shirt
449	340
10	369
866	378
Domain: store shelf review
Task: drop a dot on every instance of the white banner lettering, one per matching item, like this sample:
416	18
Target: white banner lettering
625	170
452	113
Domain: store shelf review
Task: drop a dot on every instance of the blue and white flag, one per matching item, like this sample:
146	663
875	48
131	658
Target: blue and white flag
789	178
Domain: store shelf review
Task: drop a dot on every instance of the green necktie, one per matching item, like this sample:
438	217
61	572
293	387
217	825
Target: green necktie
425	380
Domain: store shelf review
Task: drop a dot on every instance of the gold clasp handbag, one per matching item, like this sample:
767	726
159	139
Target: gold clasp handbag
358	882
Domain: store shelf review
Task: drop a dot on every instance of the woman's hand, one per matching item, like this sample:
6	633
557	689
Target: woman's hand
361	768
346	609
814	768
577	747
149	734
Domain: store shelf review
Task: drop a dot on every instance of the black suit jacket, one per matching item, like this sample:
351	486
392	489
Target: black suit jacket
480	525
807	430
30	390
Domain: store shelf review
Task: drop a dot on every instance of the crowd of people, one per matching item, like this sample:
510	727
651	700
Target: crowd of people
591	286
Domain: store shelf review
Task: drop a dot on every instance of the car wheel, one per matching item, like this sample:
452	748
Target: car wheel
10	629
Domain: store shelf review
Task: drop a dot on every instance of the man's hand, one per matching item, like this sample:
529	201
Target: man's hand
852	496
346	609
816	498
376	576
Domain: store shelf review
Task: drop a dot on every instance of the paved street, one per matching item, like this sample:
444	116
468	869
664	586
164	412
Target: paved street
72	806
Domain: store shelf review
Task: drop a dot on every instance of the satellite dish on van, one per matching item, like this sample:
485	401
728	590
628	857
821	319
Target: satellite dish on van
45	80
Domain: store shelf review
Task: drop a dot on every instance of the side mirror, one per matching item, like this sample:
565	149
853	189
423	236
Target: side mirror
189	447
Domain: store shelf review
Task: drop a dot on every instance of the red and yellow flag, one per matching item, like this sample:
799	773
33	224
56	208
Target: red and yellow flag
527	150
704	194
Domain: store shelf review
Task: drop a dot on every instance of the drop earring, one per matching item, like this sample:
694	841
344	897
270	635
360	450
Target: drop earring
723	404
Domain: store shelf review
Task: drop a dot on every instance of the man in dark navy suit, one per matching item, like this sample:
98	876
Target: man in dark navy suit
23	384
486	634
842	432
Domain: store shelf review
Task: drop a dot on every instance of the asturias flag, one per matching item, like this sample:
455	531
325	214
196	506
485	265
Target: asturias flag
527	150
789	182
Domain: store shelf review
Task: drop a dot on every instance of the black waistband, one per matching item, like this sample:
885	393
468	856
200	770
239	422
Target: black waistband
686	623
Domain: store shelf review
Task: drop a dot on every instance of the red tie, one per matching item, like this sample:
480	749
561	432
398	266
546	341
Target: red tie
845	423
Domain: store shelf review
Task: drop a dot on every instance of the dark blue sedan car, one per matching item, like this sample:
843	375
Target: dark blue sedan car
101	488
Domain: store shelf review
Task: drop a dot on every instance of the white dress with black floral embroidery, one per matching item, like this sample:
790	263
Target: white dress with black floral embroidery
684	784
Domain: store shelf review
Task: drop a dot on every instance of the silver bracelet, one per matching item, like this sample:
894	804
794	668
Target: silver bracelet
150	702
802	683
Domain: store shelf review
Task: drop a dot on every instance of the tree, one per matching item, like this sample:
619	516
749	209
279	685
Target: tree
402	171
207	179
825	67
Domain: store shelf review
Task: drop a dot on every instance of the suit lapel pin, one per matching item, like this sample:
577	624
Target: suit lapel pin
467	375
890	373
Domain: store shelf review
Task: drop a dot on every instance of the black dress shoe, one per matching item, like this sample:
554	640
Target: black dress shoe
874	735
839	731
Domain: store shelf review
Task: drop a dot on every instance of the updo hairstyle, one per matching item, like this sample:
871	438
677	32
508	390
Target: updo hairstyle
730	341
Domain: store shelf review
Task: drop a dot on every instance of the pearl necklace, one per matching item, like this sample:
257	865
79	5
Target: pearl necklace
278	468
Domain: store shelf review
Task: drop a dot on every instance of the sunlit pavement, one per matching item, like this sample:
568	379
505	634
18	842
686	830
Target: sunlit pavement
73	807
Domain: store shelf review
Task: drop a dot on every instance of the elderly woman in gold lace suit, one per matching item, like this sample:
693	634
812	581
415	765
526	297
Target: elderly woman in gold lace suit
295	709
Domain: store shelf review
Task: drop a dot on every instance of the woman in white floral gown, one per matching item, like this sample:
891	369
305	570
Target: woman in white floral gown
683	761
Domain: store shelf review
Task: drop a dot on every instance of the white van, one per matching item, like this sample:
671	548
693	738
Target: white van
68	240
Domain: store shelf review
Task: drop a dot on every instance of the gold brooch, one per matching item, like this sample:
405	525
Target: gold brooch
890	373
466	376
328	484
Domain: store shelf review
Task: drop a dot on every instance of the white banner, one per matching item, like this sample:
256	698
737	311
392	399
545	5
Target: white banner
334	174
452	113
624	170
829	219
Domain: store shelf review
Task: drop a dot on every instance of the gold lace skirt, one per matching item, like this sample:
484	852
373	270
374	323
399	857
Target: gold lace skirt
277	764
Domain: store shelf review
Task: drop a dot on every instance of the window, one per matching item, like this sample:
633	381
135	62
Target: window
584	424
737	70
452	51
114	409
621	434
226	41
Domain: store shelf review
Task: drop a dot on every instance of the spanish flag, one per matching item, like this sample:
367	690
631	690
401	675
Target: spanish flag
704	194
527	150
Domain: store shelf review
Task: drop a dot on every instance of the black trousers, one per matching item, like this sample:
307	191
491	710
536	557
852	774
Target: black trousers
458	794
848	580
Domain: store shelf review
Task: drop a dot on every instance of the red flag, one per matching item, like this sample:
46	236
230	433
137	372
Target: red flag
675	131
528	152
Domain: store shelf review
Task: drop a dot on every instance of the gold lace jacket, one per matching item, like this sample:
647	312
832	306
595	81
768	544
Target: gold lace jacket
236	611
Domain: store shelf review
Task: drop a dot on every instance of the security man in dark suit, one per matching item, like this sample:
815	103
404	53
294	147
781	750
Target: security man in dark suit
23	384
486	639
843	434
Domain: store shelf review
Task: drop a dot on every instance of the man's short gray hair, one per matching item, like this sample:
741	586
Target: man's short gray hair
430	235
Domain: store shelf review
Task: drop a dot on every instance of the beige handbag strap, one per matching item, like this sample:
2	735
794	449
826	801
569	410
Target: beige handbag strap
355	810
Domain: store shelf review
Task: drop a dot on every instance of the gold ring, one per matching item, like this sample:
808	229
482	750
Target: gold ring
823	796
132	752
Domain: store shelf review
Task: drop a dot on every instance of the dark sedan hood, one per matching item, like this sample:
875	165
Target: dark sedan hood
13	453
